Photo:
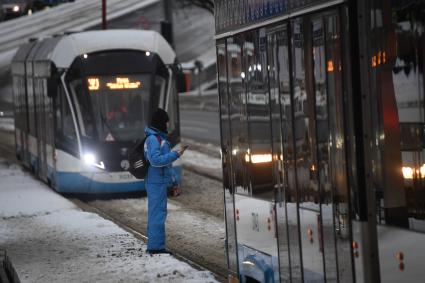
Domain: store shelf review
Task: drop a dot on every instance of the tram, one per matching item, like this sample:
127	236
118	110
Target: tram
322	139
81	100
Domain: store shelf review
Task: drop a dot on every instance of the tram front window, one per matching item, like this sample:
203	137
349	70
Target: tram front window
120	105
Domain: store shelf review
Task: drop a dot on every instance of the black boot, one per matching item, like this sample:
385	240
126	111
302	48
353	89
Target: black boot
163	251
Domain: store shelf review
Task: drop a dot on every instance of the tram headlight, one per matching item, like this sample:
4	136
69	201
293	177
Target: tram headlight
89	158
16	8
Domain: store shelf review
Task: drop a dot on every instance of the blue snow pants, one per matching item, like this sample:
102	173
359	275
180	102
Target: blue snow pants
157	213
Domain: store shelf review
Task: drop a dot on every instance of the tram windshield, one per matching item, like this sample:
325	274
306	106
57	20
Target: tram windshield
117	107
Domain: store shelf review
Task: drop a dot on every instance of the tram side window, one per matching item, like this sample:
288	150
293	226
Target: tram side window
17	98
84	114
58	113
172	107
31	107
68	128
23	103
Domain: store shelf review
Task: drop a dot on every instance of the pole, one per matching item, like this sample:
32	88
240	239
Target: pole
103	14
167	24
168	13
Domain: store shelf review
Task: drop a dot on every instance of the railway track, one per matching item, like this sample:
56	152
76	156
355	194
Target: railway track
195	222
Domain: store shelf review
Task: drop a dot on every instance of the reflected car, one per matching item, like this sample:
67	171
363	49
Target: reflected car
17	8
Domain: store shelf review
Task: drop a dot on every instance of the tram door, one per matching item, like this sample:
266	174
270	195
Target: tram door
308	144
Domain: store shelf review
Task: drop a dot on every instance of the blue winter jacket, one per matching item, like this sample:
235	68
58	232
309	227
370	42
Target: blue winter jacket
160	157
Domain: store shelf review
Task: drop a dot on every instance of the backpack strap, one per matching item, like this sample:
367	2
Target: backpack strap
139	142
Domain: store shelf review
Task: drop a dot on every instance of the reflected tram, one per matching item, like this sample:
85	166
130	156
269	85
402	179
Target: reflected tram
322	139
81	100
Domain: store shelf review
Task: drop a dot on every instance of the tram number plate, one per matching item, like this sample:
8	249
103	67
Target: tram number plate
124	176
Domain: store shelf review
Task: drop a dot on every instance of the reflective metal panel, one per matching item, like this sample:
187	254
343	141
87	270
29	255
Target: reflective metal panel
323	144
258	158
281	121
341	197
237	111
397	99
225	147
307	181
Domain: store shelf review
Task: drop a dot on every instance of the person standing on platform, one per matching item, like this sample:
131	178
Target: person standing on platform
158	179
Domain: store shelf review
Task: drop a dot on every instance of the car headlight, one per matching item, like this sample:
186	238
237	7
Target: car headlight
258	158
16	8
407	172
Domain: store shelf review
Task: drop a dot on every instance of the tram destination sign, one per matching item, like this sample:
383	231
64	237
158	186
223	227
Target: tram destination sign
112	83
231	15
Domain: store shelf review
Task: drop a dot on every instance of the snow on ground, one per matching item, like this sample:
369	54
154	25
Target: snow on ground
195	222
50	240
196	158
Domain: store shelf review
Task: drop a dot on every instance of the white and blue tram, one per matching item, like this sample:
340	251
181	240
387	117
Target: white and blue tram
322	139
82	99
